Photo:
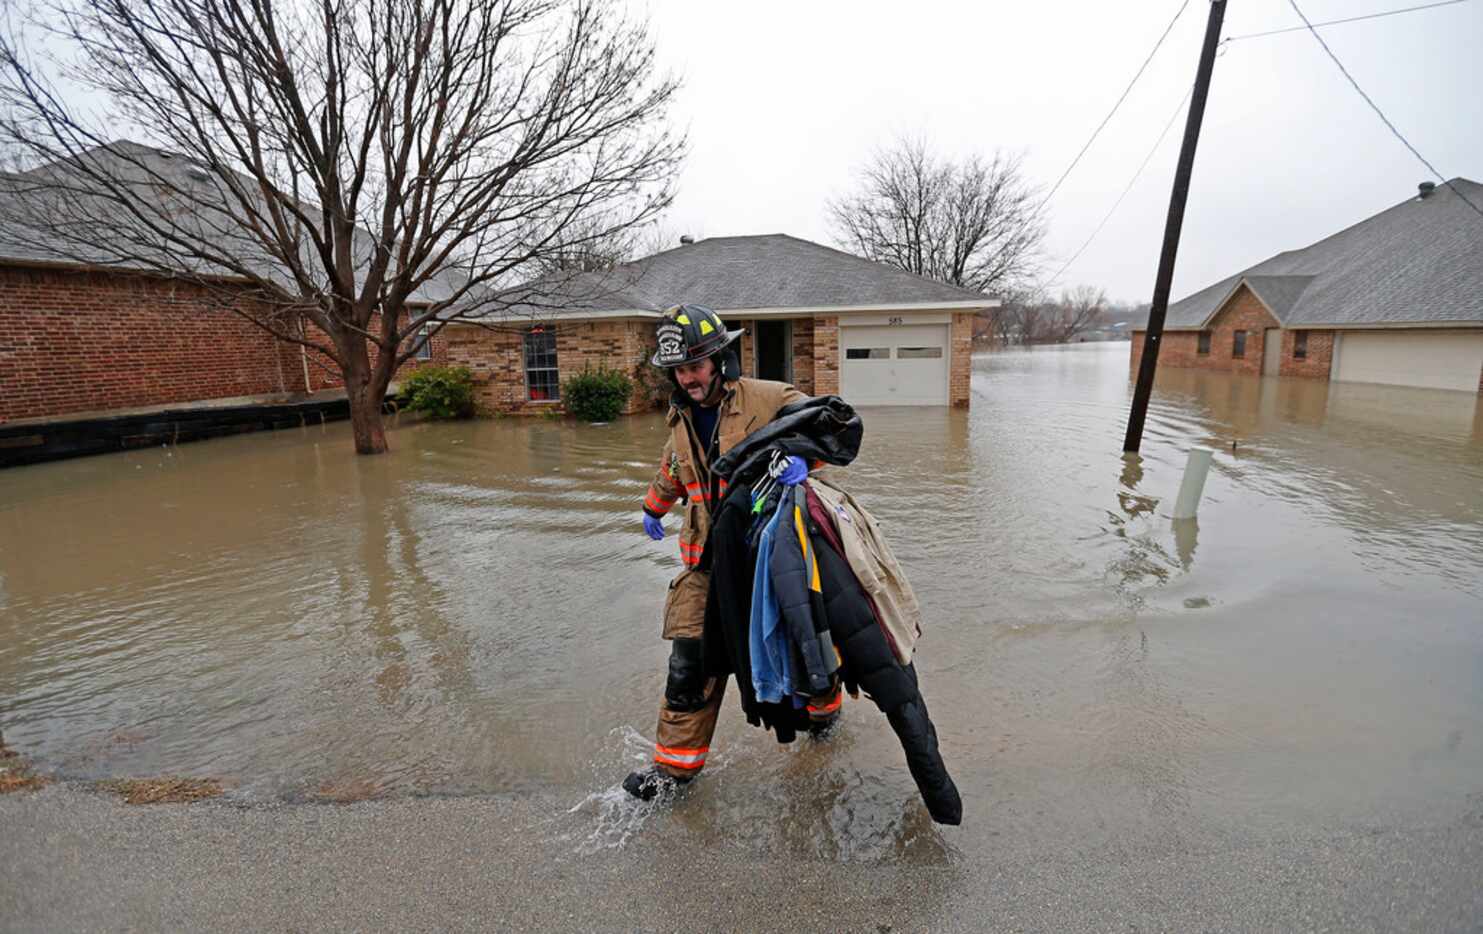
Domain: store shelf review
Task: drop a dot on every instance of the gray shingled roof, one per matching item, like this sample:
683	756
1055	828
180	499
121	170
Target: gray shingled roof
1420	262
732	273
34	219
46	242
726	273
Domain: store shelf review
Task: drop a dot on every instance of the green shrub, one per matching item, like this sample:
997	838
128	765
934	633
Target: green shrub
596	395
440	391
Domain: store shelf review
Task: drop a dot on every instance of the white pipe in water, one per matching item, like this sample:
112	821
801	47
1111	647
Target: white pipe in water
1193	483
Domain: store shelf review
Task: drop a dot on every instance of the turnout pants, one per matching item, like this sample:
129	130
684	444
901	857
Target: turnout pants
692	701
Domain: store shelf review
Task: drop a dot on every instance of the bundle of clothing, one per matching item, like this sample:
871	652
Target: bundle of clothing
805	596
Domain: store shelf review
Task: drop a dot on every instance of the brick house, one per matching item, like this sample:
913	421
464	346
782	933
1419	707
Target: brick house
824	320
77	341
83	338
1395	299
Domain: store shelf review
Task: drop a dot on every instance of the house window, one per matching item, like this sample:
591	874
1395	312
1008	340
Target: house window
1203	345
541	382
1238	344
1300	345
424	343
918	353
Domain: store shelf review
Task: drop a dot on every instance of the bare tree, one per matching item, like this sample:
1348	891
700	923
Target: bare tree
975	224
1028	316
1018	319
376	168
590	245
1079	309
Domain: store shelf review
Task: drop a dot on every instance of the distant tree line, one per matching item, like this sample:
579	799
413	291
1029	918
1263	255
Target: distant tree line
1032	316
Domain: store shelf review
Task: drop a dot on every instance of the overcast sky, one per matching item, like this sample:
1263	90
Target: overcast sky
784	100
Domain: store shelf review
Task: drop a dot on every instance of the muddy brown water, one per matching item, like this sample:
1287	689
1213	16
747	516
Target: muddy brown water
476	613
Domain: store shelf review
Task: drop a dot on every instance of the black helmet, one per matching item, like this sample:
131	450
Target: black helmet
689	334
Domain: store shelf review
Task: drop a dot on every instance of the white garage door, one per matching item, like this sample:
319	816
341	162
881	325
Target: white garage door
894	365
1430	359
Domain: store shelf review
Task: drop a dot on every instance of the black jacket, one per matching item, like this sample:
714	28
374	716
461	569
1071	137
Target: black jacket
801	598
870	662
732	561
830	427
824	428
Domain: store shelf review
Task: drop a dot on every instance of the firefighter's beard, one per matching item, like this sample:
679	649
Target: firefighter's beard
700	391
696	390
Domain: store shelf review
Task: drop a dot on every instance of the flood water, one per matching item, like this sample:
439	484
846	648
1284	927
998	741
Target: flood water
477	613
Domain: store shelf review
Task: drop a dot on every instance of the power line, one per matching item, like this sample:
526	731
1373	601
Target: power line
1165	132
1131	182
1335	22
1378	112
1167	29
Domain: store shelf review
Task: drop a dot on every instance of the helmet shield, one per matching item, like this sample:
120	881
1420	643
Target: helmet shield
689	334
672	350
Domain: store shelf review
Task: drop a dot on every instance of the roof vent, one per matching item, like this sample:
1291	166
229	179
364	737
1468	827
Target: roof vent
1425	188
686	240
197	174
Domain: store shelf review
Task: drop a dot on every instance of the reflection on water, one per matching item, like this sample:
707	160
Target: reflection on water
477	612
1186	540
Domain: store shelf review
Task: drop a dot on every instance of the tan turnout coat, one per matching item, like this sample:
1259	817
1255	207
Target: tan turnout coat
684	477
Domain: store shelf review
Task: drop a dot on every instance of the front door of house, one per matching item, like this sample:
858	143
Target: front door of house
1272	352
774	343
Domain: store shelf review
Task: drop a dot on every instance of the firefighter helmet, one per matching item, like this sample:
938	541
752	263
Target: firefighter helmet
689	334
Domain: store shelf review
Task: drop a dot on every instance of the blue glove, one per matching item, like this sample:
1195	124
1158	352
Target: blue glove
795	473
654	527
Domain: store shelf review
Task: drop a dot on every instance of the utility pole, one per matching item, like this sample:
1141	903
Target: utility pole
1154	336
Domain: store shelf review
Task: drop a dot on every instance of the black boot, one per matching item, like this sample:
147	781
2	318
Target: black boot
823	729
646	785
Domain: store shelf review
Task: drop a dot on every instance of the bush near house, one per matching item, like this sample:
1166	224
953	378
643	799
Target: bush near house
652	383
597	395
440	391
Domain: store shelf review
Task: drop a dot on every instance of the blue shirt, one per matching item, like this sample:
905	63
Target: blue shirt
772	662
705	427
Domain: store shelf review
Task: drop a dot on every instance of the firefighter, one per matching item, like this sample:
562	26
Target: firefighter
712	409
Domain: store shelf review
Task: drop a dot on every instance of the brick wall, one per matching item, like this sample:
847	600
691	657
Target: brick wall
826	356
803	355
960	366
77	341
497	359
95	341
1242	312
74	342
1320	355
746	346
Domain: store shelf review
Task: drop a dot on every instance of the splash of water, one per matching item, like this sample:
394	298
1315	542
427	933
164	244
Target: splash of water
609	817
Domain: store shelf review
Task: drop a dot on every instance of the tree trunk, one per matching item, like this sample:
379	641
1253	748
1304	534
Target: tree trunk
366	395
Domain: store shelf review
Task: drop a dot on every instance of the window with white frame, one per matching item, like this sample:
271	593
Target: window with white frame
542	383
424	345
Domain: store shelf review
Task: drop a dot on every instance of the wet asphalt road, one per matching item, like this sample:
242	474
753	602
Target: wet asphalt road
80	861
